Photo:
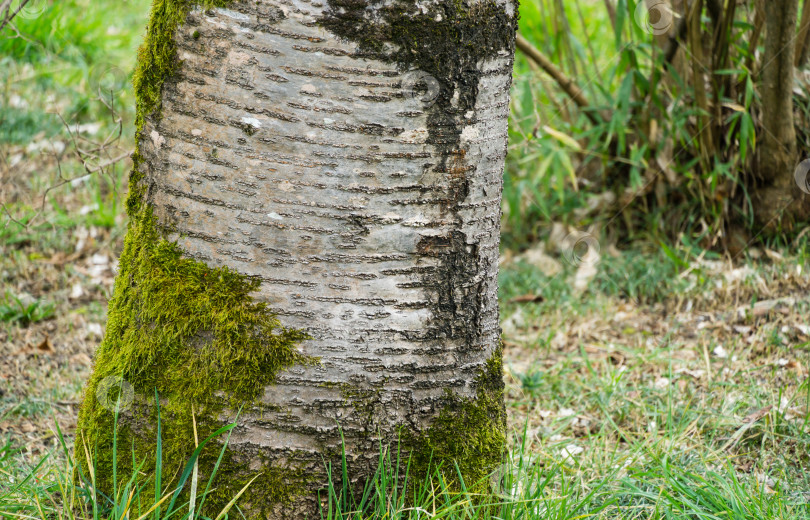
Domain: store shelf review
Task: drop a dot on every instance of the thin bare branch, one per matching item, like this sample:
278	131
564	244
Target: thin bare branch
567	84
7	15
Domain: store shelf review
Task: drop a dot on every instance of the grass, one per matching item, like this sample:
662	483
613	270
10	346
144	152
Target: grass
14	309
651	480
639	416
69	491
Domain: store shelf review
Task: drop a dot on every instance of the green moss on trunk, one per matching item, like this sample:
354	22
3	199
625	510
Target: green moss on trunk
157	62
470	432
196	335
193	333
157	56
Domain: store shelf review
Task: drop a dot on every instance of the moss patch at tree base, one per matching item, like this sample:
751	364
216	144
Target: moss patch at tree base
469	435
194	334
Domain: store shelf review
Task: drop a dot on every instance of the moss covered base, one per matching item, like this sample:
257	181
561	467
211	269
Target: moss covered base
468	438
195	335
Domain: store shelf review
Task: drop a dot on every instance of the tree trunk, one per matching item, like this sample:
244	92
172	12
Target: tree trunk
779	199
314	227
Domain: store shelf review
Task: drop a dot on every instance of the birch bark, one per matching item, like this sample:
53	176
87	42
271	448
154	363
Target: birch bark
299	145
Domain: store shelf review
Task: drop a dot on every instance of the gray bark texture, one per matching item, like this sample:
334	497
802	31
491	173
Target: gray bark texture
356	170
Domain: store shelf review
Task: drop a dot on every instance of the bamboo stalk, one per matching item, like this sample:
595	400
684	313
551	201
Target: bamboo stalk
611	10
759	22
698	80
802	45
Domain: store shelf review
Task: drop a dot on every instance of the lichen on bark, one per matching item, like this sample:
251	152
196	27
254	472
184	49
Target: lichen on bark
446	39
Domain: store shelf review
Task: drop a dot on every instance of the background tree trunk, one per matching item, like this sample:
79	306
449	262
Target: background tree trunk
779	199
802	51
341	163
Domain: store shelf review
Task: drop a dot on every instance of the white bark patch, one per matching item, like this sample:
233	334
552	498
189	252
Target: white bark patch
358	201
238	58
157	139
469	134
454	100
415	136
309	89
232	14
417	221
252	121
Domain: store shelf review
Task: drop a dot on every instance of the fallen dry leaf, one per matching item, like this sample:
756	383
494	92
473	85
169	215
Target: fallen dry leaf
527	298
748	422
81	359
43	347
765	307
796	366
759	414
537	258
